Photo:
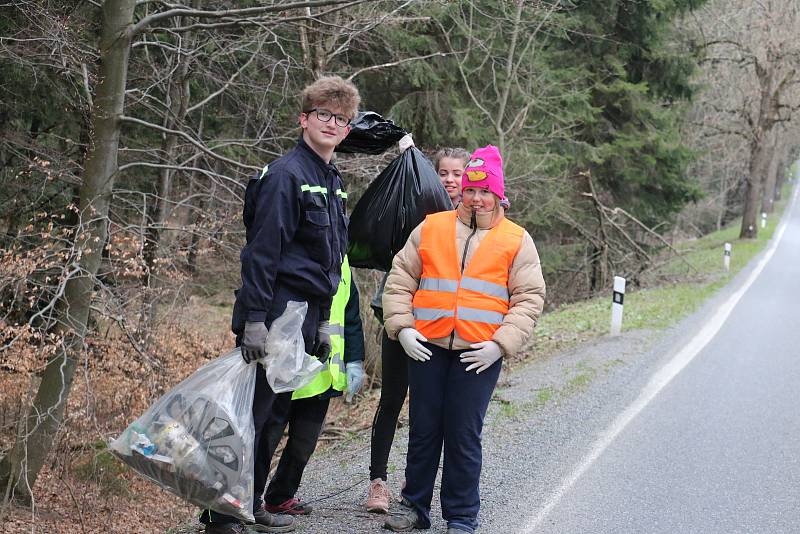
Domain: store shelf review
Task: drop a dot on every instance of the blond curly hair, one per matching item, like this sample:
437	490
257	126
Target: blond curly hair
332	91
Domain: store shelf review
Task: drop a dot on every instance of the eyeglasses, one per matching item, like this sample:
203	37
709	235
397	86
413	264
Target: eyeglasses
325	116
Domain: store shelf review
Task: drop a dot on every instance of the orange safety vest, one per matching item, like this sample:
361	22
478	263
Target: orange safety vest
474	302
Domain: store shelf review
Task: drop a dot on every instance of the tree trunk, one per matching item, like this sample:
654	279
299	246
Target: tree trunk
752	195
768	195
178	99
20	468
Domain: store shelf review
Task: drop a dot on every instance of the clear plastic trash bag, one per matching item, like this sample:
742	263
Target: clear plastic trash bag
197	440
287	364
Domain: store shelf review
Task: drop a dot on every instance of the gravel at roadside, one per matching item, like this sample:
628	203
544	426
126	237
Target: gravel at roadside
539	414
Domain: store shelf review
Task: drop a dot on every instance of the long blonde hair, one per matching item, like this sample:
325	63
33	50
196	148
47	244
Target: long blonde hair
449	152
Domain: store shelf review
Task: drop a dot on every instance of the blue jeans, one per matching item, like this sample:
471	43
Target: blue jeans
447	406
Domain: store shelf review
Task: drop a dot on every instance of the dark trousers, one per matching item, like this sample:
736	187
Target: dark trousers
305	418
447	407
394	386
264	399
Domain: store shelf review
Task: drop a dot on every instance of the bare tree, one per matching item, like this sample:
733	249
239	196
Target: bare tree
20	467
752	53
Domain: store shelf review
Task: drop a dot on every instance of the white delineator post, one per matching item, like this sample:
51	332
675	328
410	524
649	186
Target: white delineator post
763	220
616	305
726	258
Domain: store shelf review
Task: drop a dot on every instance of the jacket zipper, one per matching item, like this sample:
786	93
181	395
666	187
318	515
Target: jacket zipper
473	224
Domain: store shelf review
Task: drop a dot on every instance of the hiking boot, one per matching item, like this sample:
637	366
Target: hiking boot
403	520
378	496
292	507
225	528
266	522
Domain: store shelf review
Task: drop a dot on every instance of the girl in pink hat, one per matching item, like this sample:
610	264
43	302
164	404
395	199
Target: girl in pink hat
450	164
465	291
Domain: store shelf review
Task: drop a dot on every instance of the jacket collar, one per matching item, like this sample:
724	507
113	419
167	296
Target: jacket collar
485	221
302	145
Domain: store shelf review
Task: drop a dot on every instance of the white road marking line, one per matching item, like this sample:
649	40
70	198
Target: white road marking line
660	379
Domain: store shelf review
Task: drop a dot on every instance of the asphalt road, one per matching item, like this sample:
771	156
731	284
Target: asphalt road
570	446
717	450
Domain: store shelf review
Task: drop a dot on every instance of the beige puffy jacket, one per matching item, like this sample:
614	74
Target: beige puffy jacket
525	285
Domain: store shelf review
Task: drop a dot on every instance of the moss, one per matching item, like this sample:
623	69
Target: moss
105	470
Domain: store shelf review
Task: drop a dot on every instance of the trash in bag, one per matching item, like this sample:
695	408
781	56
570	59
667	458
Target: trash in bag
395	203
370	134
197	440
287	364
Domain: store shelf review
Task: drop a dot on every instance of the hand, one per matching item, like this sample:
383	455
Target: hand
488	352
410	340
322	345
355	379
406	142
254	341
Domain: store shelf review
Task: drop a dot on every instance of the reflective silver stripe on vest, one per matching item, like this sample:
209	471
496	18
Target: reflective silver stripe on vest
482	286
337	330
480	316
438	284
336	359
431	314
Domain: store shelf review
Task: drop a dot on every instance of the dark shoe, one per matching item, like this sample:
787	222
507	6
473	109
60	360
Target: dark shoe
292	507
225	528
404	519
267	522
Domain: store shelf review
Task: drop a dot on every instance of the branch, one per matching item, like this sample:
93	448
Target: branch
216	14
198	144
398	62
255	21
648	230
226	84
207	172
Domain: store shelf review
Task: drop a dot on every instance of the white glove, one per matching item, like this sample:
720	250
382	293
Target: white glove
488	352
355	378
410	340
405	143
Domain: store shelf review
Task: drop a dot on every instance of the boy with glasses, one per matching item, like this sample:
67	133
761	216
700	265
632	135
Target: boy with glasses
296	238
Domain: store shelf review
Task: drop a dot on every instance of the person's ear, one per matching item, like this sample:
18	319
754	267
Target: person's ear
303	119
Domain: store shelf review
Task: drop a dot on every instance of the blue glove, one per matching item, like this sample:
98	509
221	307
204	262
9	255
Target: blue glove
355	379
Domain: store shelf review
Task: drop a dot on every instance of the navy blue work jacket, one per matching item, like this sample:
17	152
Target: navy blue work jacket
296	235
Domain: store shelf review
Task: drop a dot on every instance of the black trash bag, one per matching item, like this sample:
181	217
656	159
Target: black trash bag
395	203
370	134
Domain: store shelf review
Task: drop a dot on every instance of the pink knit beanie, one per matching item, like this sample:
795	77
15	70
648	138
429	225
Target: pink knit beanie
485	171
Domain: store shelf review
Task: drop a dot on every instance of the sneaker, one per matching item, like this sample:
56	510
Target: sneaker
378	496
225	528
403	520
267	522
292	507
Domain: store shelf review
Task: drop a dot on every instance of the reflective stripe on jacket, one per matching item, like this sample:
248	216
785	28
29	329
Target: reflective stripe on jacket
473	302
333	375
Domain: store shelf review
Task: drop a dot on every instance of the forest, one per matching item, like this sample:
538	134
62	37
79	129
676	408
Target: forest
129	130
